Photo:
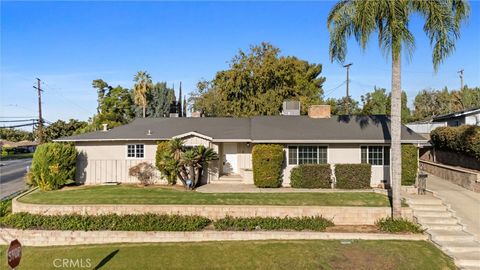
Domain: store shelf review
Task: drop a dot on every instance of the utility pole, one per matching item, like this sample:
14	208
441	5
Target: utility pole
40	119
460	73
348	82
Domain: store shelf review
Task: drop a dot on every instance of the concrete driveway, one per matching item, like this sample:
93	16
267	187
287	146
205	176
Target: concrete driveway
12	173
464	202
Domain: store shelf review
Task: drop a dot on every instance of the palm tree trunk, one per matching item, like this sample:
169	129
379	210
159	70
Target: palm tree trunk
395	126
143	111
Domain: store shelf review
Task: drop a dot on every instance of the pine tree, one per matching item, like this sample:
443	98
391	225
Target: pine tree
179	103
184	111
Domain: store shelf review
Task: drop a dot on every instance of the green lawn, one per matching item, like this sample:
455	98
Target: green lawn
314	254
16	156
125	194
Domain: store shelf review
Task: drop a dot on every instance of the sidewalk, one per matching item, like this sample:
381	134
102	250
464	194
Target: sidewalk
465	203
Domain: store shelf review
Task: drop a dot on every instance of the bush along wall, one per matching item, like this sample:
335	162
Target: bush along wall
53	165
111	222
463	139
409	164
317	223
267	162
353	176
311	176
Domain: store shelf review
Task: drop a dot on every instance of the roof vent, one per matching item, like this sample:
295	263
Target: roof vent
291	107
149	132
105	127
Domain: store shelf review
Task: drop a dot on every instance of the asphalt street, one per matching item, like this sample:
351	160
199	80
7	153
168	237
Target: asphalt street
12	173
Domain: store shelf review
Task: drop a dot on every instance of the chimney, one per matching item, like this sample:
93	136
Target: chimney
319	111
105	127
196	114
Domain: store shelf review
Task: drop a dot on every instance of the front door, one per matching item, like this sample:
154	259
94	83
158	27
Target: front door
230	158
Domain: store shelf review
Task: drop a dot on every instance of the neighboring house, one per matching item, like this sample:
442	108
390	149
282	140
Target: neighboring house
317	138
465	117
21	146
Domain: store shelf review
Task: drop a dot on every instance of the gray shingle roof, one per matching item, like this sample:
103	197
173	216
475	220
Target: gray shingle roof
256	129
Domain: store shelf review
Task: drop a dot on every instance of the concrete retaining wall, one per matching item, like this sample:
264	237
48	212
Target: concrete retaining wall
461	177
64	238
339	215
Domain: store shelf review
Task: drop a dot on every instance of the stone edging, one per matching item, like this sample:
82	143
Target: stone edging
66	238
340	215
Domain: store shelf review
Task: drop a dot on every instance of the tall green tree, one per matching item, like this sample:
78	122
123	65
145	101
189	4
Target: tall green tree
344	106
15	135
143	83
159	100
102	88
390	20
257	83
61	128
116	109
375	102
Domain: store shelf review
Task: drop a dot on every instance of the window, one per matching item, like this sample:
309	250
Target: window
307	154
292	155
375	155
135	151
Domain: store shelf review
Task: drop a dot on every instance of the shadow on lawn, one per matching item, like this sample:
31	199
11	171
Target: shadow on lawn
106	260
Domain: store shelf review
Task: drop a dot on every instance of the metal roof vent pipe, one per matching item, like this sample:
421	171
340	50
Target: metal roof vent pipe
105	127
149	132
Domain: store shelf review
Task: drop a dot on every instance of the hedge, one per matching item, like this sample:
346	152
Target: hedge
53	165
111	222
267	162
463	139
398	225
311	176
273	223
353	176
409	164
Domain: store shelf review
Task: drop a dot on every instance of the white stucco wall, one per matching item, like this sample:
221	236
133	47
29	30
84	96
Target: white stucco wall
100	162
343	154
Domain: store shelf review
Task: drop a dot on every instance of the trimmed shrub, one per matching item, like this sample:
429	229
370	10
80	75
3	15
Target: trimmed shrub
5	207
272	223
53	165
163	162
353	176
409	164
311	176
144	171
112	222
267	162
398	225
464	139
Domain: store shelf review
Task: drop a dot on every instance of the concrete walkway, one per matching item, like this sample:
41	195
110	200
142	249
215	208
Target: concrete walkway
465	203
250	188
445	230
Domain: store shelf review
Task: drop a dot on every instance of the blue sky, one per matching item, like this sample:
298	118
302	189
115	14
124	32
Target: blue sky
69	44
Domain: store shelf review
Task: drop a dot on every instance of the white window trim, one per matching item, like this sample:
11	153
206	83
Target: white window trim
144	151
383	145
310	144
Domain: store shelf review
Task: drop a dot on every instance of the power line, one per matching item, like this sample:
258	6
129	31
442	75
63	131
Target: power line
330	91
12	117
26	120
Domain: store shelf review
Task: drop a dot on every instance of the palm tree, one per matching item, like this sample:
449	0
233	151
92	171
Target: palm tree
142	86
360	18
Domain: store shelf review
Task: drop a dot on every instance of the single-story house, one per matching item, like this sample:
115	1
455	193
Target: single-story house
106	156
